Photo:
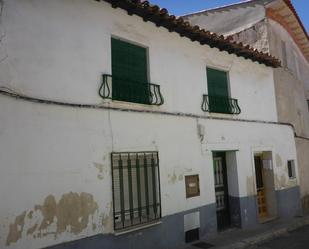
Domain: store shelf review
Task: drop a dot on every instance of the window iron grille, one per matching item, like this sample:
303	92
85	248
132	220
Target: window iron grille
136	188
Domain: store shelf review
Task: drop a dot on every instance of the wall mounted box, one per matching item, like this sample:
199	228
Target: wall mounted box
192	186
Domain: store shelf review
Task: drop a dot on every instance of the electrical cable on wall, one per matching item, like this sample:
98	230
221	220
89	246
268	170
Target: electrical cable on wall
4	91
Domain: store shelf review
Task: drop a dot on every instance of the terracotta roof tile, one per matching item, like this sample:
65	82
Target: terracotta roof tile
290	5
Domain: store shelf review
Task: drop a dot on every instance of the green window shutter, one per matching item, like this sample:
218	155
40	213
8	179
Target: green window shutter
218	92
217	83
129	70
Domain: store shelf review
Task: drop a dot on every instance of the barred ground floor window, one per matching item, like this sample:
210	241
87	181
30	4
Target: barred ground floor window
136	188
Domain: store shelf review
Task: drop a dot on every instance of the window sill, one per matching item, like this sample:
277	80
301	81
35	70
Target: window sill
292	178
129	105
224	113
136	228
221	115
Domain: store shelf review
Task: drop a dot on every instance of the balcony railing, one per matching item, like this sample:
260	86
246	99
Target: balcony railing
130	91
220	104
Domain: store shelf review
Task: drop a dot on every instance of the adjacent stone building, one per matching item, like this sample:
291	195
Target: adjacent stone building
273	26
122	126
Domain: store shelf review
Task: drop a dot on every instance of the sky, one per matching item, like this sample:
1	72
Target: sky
181	7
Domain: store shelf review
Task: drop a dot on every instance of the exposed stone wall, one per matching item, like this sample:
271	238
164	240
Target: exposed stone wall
255	36
291	103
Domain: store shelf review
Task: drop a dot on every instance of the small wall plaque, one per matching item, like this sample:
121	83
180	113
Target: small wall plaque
192	186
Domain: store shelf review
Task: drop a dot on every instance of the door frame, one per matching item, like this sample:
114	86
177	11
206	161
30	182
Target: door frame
260	191
265	153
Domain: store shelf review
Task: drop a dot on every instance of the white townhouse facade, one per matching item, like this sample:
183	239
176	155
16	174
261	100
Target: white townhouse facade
124	127
273	26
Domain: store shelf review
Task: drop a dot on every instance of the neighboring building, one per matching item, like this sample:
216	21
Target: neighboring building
118	162
273	26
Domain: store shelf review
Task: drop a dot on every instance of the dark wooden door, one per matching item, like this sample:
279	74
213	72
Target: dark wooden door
221	191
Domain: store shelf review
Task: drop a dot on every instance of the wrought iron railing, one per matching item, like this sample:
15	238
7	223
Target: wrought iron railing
130	91
220	104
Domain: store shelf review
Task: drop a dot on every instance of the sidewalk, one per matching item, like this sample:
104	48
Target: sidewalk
238	239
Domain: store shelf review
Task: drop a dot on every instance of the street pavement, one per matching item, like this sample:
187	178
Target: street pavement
298	239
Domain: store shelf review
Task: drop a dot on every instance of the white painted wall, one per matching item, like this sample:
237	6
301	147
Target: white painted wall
50	45
58	50
55	150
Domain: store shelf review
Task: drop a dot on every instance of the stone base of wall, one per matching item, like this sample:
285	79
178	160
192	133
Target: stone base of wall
249	215
243	211
235	213
302	147
288	202
169	234
305	204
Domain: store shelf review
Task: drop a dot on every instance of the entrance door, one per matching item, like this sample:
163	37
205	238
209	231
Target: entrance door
221	190
261	198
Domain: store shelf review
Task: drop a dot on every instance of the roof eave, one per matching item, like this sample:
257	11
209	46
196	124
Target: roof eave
161	18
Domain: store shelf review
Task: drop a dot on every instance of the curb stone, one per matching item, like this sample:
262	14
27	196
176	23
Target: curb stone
261	238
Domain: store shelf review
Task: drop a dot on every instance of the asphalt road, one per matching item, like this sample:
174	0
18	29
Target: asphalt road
298	239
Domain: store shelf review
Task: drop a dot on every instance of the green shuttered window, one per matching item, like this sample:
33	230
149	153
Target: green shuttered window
218	91
130	74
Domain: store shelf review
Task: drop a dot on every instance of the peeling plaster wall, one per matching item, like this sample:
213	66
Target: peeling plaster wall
256	36
55	174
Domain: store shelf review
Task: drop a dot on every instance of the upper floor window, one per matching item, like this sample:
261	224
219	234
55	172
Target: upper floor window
130	73
129	79
291	169
218	99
